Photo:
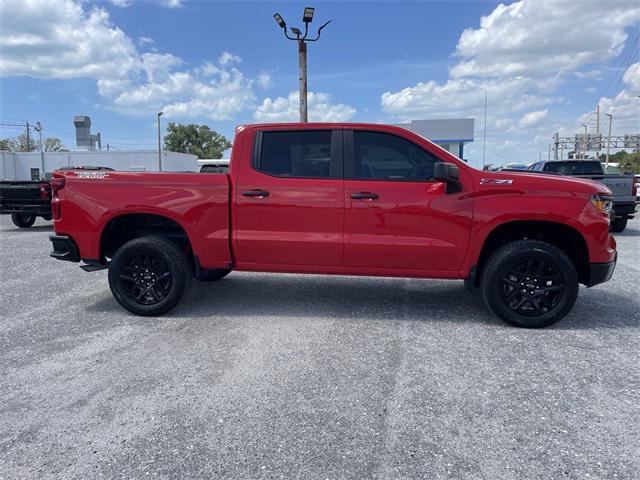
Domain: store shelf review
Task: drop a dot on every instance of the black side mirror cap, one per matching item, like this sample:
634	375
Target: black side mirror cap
448	173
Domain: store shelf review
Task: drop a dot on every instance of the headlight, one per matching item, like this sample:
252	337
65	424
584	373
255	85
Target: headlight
603	203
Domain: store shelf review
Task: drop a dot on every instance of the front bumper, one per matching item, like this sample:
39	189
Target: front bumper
601	272
64	248
625	210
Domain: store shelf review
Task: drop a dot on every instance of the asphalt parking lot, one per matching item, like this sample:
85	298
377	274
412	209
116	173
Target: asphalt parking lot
283	376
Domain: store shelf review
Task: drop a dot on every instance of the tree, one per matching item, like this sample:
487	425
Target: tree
198	140
53	144
19	143
627	162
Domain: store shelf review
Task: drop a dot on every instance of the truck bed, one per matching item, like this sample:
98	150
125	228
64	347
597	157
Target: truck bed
197	203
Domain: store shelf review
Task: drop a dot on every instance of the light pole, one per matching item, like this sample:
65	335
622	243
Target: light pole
584	151
302	40
606	161
38	129
159	146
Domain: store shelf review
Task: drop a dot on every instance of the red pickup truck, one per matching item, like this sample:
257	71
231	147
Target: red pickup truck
345	199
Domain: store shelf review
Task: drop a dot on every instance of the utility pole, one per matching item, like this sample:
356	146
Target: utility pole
28	137
301	38
484	135
159	145
597	129
606	162
39	130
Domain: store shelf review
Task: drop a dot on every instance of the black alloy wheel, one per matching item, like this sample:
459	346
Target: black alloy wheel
145	278
149	275
529	283
532	287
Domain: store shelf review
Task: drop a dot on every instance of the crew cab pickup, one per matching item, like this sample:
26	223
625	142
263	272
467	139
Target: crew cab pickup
623	187
346	199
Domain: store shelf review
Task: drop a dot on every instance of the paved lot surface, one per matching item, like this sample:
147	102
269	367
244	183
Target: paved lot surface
281	376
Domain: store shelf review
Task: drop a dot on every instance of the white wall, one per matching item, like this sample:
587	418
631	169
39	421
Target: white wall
18	165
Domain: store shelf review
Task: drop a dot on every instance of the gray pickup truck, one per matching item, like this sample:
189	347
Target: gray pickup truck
623	186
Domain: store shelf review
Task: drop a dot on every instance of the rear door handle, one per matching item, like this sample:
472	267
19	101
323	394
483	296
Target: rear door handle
255	193
365	196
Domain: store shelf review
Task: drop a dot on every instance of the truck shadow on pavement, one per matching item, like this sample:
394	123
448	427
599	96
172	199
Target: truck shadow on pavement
370	298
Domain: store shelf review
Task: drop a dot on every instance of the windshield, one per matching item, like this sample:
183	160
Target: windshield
574	168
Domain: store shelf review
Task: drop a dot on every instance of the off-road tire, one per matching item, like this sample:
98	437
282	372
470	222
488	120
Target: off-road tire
168	258
618	224
549	294
23	221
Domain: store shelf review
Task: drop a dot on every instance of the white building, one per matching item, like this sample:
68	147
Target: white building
450	133
28	165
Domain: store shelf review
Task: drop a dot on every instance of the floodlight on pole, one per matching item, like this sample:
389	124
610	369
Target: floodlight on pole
279	20
302	39
307	16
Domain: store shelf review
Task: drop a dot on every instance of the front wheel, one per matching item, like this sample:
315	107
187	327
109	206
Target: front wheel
23	221
618	224
530	284
149	275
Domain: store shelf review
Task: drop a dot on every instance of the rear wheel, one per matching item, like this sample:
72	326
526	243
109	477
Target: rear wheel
23	221
530	284
618	225
149	275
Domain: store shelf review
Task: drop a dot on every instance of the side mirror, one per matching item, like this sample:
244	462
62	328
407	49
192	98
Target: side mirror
449	174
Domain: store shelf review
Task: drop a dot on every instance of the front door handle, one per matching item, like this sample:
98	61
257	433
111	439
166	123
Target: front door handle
365	196
255	193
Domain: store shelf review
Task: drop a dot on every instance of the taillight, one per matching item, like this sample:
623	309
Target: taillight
634	189
44	191
57	184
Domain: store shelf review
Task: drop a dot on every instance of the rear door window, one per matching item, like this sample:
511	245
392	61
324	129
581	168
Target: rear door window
297	154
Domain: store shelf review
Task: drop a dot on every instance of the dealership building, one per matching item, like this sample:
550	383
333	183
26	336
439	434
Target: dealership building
450	133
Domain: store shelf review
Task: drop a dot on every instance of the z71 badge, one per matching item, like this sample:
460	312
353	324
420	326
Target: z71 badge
496	181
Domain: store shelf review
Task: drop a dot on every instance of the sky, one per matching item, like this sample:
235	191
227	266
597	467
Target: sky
544	65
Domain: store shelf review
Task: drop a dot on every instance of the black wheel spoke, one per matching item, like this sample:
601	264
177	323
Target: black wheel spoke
532	286
146	278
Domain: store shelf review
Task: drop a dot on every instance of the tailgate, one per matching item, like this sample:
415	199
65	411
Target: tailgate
620	185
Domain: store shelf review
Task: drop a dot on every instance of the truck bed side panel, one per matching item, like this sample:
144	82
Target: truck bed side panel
199	203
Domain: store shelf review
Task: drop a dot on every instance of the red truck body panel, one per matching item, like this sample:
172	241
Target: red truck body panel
199	203
413	228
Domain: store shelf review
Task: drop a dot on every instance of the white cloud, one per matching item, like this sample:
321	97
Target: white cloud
535	38
228	59
521	55
142	41
624	106
533	118
121	3
60	39
320	109
264	80
172	3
